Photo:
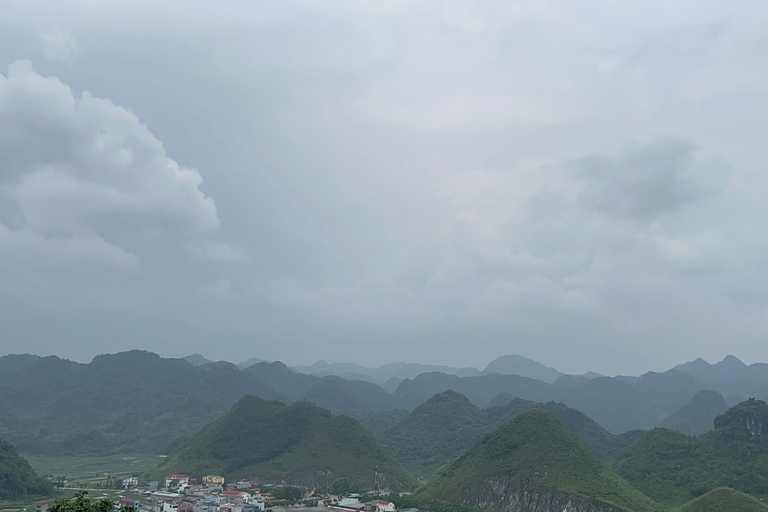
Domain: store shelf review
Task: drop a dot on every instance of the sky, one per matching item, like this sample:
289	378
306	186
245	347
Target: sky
582	183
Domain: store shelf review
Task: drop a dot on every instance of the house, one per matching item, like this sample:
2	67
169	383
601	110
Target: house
170	506
177	479
384	506
195	490
243	484
127	503
213	479
233	494
152	486
166	496
130	482
352	507
43	506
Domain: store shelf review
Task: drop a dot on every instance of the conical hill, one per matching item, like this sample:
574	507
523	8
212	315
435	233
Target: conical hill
299	443
724	499
533	462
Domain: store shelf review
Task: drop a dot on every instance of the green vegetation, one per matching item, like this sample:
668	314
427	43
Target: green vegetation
17	478
139	402
673	468
532	457
80	467
697	416
342	485
300	443
80	503
724	499
448	424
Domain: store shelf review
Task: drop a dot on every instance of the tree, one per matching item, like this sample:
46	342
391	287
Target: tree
342	485
293	494
80	503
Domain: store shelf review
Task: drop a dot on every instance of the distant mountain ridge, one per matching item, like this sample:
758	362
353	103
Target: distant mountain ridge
524	367
730	377
697	416
382	373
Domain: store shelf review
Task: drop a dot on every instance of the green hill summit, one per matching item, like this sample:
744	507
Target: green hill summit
724	499
299	443
533	462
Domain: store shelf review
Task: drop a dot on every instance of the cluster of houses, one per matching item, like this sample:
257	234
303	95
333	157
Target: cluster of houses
180	493
183	494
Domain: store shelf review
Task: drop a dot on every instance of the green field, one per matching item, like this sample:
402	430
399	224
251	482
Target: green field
73	467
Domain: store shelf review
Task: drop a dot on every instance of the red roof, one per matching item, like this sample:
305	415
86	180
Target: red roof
232	492
382	502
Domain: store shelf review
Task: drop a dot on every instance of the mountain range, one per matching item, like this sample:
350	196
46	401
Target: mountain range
139	402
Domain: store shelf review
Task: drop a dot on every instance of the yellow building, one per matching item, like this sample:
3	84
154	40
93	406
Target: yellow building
213	479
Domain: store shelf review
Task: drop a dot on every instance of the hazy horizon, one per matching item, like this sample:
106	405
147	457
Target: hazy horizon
479	367
579	183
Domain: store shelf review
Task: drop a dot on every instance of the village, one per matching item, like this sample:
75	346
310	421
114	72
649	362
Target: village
181	493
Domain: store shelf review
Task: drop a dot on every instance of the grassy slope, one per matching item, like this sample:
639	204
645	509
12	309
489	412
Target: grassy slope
674	468
300	441
533	448
724	499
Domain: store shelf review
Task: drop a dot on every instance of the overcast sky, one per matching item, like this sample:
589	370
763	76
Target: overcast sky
580	182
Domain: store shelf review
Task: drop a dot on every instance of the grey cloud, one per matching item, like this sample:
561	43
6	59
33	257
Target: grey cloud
395	175
59	47
644	182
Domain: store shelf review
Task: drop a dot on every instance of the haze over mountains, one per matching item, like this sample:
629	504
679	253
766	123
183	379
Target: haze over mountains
139	401
482	439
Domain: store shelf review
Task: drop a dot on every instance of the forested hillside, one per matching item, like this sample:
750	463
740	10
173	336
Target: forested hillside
674	468
17	478
300	443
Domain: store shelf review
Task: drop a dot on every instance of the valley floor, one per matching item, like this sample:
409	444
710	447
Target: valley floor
87	468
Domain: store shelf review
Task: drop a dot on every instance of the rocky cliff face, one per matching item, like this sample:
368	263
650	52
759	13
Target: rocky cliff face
746	422
498	494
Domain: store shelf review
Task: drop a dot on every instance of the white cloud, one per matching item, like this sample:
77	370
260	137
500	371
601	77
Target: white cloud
84	170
